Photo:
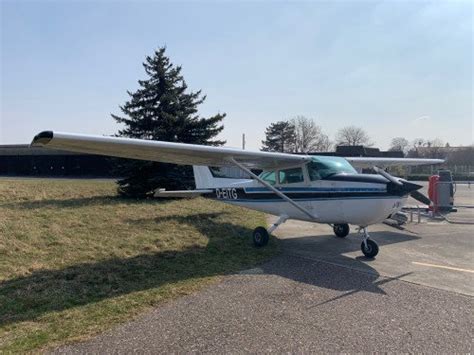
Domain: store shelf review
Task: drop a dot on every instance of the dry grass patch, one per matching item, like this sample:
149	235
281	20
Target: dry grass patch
75	259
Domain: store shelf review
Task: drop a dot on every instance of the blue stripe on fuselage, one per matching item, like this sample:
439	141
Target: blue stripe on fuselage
313	199
316	189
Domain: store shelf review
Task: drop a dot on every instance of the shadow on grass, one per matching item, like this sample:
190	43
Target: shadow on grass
82	202
229	249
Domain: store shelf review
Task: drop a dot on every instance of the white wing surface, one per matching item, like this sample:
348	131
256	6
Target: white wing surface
167	152
366	162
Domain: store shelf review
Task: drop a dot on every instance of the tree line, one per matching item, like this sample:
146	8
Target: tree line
302	135
433	149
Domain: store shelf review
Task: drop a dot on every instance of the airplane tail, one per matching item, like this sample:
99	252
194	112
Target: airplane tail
204	178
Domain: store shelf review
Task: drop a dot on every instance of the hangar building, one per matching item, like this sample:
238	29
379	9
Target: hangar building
21	160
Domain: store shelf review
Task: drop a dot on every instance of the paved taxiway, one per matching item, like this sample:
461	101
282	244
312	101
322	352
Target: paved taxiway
320	295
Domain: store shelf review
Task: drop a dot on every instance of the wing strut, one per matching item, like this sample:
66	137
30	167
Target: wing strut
275	190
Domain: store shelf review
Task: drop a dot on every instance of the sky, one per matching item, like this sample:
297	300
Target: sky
394	68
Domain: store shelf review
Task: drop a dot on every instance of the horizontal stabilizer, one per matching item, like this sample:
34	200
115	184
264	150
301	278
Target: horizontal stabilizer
181	193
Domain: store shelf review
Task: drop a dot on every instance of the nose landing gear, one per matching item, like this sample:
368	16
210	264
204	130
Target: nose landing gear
368	246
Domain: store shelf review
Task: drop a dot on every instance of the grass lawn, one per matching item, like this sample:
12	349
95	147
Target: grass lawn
76	260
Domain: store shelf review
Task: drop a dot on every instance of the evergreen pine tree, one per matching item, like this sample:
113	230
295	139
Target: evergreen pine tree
163	109
280	137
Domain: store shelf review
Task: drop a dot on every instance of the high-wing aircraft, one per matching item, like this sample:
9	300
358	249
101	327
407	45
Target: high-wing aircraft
321	189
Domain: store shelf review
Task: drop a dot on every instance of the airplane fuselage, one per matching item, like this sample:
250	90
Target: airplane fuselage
360	204
347	198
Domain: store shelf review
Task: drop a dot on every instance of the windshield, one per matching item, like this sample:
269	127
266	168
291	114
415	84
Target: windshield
323	167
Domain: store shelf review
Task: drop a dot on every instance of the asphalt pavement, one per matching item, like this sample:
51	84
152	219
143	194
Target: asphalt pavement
295	304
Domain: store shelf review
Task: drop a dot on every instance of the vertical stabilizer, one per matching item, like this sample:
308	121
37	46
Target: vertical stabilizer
202	177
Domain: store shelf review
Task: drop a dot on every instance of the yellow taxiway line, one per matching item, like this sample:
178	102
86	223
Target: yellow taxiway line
443	267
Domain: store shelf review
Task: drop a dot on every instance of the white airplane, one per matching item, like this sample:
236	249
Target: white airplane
320	189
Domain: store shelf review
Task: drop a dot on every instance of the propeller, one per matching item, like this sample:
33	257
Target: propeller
417	195
405	186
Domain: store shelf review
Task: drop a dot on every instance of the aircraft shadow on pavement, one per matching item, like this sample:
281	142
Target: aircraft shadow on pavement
329	247
26	298
320	260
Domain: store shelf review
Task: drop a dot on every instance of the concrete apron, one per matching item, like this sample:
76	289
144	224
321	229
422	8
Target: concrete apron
438	255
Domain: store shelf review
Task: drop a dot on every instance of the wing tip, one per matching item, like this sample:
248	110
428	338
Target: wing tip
42	138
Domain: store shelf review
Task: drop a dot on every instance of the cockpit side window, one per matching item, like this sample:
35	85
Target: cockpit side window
291	176
269	176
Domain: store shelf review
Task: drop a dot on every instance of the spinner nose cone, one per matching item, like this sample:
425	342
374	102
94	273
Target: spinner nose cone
403	187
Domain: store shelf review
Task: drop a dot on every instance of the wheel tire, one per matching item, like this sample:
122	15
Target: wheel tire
371	250
341	230
260	237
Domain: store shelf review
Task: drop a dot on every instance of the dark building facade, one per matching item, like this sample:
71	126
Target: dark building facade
21	160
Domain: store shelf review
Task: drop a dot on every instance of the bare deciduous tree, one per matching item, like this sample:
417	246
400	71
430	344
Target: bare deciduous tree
418	142
309	137
427	148
434	149
400	144
435	143
352	135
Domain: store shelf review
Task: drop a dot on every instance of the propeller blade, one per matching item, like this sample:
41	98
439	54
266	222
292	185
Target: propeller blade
417	195
407	186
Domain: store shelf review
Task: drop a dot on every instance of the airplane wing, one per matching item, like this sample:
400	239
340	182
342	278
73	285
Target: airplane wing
166	152
367	162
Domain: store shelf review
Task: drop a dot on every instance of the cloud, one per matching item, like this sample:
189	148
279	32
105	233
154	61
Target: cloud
421	119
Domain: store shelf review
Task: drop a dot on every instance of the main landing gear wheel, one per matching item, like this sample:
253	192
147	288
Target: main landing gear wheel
260	237
369	248
341	230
